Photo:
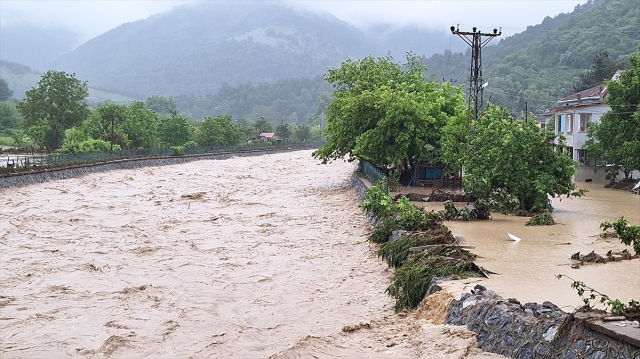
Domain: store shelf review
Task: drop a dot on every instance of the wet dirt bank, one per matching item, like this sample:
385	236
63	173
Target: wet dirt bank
237	258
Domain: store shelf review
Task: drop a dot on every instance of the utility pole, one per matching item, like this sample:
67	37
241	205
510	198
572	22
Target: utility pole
476	86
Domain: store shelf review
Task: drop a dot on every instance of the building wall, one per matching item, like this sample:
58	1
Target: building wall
571	123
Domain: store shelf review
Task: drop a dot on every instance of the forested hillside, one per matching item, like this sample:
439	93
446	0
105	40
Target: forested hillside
543	63
195	48
253	59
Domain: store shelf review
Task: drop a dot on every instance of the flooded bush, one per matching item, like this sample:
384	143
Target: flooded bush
542	219
397	252
411	281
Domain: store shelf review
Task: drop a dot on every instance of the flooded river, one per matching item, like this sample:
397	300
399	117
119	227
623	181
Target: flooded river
240	258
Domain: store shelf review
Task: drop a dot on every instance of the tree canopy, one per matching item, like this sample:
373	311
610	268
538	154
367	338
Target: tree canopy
175	130
218	131
513	164
602	69
57	104
386	112
616	139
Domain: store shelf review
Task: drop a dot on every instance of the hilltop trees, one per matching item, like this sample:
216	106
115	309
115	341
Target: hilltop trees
57	104
386	112
602	69
5	92
616	139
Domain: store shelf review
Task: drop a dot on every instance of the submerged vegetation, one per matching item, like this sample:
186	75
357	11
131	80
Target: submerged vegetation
417	244
542	219
629	235
591	296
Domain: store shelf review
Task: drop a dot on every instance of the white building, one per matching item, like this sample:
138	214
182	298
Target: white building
573	113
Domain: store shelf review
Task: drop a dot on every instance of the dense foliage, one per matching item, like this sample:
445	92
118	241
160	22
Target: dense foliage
57	104
616	139
175	130
513	164
218	131
386	112
9	116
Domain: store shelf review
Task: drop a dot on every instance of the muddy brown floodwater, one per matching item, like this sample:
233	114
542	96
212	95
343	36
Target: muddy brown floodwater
529	267
242	258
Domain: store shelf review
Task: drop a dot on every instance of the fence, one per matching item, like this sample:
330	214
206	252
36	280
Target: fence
25	163
372	172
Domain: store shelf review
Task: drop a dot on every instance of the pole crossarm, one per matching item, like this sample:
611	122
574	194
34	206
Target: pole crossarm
475	40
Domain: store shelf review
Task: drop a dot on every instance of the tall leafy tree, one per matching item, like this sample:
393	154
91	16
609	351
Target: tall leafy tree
302	133
5	92
602	69
219	131
616	139
175	130
386	112
141	126
262	125
57	104
113	116
9	116
514	164
284	131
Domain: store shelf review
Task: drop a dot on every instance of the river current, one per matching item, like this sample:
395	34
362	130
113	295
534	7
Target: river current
251	257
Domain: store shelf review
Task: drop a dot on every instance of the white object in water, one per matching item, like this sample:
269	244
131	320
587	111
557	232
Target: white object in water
635	189
514	237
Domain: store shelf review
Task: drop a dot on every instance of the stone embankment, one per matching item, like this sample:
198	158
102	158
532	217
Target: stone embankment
40	176
528	330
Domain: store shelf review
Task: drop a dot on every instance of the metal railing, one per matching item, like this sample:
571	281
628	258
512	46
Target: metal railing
12	164
372	172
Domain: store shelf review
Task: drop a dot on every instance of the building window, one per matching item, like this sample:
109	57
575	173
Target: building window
570	152
584	119
569	124
560	122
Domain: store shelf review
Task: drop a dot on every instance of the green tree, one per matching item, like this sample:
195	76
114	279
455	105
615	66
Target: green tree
386	112
616	139
514	164
219	131
5	92
9	116
161	104
262	125
302	133
245	128
141	126
175	130
113	116
284	131
602	69
72	139
58	103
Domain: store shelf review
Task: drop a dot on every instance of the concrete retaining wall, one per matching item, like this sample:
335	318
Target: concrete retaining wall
530	330
28	178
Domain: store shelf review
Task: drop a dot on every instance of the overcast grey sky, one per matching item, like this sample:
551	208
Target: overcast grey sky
91	18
